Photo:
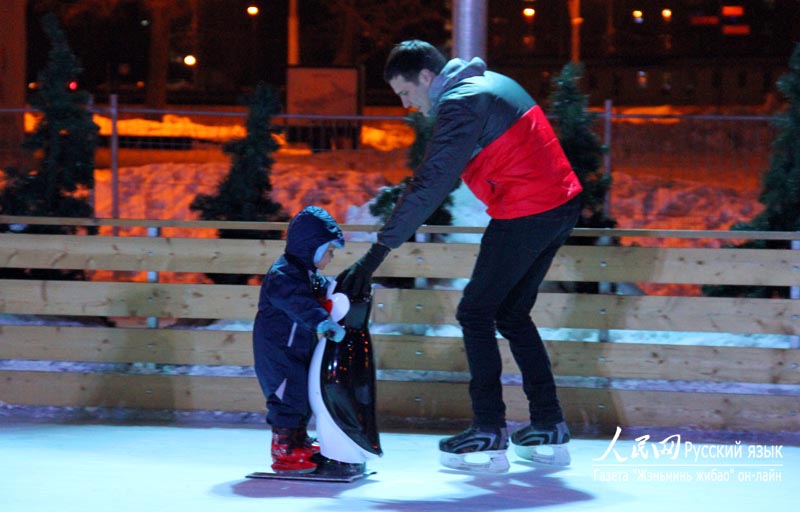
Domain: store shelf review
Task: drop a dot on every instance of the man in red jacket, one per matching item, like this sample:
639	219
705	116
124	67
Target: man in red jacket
489	132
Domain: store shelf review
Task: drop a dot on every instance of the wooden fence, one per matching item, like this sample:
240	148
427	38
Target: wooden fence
97	330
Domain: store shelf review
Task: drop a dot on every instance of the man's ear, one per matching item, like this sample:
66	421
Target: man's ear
426	76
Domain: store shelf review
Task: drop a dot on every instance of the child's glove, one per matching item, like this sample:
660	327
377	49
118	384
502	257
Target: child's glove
331	330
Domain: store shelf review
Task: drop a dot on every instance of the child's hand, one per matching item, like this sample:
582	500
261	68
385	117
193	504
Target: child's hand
331	330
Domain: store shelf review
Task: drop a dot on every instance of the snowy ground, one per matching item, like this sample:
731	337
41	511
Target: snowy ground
161	183
97	468
342	180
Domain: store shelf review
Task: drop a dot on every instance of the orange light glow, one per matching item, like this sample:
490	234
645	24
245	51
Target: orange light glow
529	12
666	14
252	10
736	30
734	11
704	20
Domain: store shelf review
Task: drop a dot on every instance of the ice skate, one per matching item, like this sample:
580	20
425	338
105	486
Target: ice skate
476	449
289	451
324	470
543	445
336	469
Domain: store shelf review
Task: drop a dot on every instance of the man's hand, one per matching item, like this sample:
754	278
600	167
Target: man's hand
331	330
356	280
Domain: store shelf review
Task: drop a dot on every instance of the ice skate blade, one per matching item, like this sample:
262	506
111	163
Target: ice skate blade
559	455
279	471
268	475
497	463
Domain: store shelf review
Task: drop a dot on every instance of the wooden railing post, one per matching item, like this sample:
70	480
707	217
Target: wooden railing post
152	276
794	293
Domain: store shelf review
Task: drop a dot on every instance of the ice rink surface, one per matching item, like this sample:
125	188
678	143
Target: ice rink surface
119	468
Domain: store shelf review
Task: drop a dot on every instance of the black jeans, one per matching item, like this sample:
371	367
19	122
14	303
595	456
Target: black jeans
513	260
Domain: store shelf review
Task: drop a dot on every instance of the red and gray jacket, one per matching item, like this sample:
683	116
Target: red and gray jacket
492	134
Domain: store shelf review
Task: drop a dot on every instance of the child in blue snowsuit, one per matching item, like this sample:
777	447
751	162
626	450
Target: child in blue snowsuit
291	314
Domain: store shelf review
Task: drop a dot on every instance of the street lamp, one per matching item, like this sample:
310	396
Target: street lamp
575	21
293	29
252	11
190	61
529	40
666	15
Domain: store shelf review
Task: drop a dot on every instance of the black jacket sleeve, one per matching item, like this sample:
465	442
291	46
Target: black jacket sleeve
455	135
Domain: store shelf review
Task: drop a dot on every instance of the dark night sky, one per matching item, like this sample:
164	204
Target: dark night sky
237	49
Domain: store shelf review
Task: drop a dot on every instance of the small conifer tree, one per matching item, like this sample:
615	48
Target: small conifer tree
584	151
244	194
780	193
63	146
64	140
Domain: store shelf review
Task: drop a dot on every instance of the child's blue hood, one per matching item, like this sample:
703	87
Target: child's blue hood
309	229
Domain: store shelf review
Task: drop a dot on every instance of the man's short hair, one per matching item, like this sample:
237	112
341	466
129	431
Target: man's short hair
408	58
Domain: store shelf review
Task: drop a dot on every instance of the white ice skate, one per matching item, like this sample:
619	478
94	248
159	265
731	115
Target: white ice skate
494	461
543	446
476	449
551	455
